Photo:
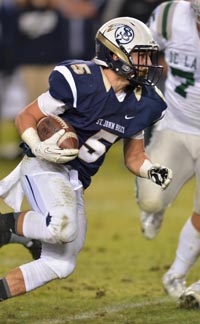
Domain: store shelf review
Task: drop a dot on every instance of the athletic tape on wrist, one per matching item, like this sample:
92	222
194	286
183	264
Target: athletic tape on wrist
30	137
145	168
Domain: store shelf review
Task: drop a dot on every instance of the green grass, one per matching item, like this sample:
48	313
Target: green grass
118	274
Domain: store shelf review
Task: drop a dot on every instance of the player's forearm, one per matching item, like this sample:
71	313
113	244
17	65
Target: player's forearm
136	159
139	165
24	121
28	117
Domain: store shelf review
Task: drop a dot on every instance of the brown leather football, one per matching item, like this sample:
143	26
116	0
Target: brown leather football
49	125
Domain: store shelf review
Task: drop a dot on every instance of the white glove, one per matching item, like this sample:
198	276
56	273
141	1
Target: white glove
50	151
160	175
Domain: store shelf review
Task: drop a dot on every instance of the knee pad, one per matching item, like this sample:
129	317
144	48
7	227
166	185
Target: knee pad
62	223
149	205
150	197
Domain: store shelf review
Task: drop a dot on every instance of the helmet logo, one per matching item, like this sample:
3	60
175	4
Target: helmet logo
124	34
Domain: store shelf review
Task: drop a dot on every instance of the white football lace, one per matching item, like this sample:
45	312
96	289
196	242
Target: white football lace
68	135
60	121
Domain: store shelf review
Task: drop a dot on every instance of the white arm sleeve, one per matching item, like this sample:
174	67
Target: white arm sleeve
139	135
49	105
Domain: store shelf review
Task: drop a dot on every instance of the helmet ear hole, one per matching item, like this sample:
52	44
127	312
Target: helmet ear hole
126	68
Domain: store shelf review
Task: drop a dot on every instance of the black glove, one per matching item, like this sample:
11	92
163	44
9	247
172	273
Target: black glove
160	175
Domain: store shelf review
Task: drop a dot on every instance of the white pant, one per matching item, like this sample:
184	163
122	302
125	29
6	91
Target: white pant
181	153
57	219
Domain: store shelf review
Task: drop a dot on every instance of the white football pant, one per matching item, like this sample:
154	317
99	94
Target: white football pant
57	218
181	153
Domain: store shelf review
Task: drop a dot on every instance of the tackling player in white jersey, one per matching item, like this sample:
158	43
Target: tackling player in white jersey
176	138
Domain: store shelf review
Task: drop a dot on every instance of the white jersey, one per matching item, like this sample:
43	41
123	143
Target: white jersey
174	27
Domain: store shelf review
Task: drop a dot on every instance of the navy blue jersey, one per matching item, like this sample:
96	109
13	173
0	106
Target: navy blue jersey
99	118
94	111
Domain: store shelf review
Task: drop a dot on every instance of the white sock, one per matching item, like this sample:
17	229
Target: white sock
37	273
19	239
188	249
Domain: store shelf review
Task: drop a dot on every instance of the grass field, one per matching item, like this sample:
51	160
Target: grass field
118	274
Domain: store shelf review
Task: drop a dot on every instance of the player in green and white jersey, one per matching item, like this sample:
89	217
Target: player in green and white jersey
176	138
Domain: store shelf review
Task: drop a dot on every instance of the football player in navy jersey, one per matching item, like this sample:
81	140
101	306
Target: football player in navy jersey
110	98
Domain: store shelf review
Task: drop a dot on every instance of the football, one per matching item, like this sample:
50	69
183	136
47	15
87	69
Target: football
49	125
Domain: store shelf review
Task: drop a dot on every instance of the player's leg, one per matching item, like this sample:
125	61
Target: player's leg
167	148
186	255
56	222
50	194
33	246
188	249
57	261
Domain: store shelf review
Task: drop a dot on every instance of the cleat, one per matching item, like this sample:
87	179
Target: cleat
190	299
6	223
174	285
35	248
151	224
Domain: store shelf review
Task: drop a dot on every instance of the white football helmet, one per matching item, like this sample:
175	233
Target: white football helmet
121	36
195	4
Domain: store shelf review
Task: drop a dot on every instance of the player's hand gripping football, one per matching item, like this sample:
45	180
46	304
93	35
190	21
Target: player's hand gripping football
50	151
160	175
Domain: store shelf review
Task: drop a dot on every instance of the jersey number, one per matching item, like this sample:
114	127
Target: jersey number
81	68
94	146
189	81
